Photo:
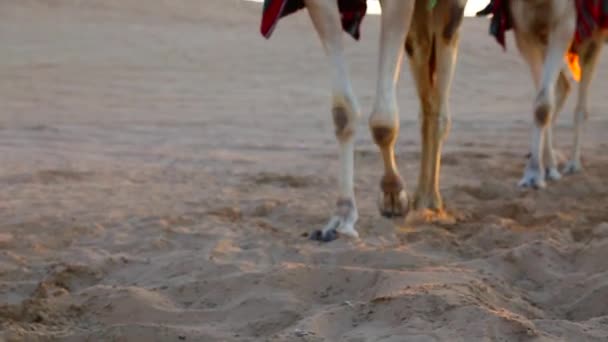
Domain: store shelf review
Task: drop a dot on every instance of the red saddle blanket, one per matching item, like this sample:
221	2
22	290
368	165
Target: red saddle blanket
591	14
352	12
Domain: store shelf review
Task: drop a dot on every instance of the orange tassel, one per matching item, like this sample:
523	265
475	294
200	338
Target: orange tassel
573	65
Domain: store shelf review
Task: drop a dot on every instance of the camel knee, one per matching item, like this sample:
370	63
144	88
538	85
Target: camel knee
542	114
344	122
543	108
384	125
384	135
345	115
439	123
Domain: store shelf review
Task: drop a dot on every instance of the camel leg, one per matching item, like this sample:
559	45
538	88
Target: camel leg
436	123
433	87
562	89
384	120
432	59
589	57
560	37
419	47
345	110
531	51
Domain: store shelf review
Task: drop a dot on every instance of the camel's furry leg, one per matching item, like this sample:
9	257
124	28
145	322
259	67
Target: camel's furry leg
560	34
532	51
345	109
432	52
384	120
562	89
589	53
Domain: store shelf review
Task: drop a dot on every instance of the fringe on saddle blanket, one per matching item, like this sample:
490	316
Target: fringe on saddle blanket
591	15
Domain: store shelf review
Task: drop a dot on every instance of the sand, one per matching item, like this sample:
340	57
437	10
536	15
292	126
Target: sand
161	162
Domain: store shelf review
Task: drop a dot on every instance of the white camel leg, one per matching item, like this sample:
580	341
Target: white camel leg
384	120
551	171
559	41
562	89
532	53
345	110
589	57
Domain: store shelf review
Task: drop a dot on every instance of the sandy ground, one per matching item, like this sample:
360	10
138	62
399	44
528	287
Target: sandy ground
160	162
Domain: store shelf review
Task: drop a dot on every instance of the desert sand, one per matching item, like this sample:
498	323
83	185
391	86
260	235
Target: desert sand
161	164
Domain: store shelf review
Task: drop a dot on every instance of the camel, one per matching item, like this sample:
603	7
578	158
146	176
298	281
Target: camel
431	41
544	33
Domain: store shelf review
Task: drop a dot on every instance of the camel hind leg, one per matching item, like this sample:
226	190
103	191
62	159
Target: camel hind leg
562	89
345	111
532	51
432	57
559	38
589	53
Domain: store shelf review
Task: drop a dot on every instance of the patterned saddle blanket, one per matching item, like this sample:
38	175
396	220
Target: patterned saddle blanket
591	15
352	12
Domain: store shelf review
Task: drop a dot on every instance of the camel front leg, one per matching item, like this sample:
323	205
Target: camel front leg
384	120
589	57
436	123
432	56
531	51
559	41
345	111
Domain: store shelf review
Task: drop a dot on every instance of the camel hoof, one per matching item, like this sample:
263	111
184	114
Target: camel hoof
533	179
341	223
393	200
431	203
393	204
573	167
327	236
552	174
